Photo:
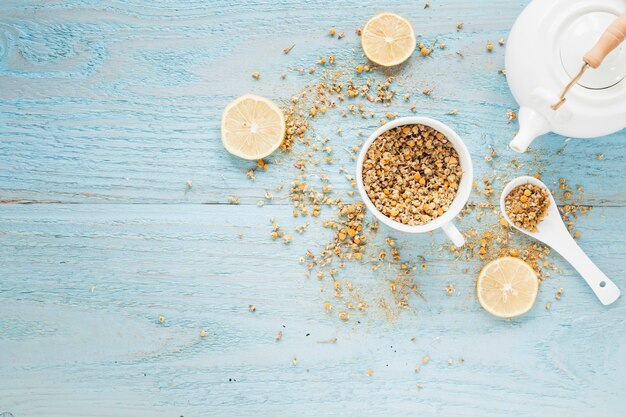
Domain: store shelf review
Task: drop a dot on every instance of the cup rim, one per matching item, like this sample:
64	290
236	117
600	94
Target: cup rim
465	185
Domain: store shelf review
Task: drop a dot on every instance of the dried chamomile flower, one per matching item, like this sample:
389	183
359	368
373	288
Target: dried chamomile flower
411	174
526	205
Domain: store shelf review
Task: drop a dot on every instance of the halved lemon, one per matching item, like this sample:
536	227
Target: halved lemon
507	287
252	127
388	39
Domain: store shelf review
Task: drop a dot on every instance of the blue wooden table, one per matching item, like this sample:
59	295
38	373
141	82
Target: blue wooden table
114	188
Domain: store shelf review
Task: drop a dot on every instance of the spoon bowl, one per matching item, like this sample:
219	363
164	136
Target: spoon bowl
552	231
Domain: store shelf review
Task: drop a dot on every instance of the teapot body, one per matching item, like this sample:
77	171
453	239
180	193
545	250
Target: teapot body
546	45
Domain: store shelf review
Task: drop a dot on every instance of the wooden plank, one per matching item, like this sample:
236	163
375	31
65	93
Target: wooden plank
119	103
83	286
122	103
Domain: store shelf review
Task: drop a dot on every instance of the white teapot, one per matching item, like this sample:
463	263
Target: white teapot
545	51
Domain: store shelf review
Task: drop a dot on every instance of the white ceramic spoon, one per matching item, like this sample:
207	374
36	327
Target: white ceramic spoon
553	233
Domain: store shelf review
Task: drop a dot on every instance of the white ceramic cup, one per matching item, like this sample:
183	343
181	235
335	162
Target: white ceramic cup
465	187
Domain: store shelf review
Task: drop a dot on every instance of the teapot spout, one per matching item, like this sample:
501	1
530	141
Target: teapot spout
531	125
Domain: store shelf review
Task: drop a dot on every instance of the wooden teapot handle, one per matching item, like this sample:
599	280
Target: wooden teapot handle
610	39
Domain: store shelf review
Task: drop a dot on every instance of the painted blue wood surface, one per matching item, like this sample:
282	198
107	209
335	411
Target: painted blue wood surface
108	109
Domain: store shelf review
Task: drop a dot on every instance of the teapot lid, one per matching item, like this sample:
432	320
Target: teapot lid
581	35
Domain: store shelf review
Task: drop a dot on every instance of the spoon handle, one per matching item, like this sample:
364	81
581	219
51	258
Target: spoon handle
606	291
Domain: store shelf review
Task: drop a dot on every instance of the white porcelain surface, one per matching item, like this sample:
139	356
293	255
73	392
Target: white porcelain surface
552	231
544	48
582	35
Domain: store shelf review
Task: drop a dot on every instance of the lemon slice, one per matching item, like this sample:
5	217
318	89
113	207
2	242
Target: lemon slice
388	39
252	127
507	287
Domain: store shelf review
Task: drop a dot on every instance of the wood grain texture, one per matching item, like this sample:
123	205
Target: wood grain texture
107	109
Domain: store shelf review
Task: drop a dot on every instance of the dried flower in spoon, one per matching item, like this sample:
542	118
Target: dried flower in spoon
526	205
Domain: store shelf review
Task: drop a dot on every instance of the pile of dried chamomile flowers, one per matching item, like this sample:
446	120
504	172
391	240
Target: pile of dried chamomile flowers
411	174
526	205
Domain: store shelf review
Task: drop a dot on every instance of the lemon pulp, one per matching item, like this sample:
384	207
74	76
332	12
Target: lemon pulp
507	287
388	39
252	127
